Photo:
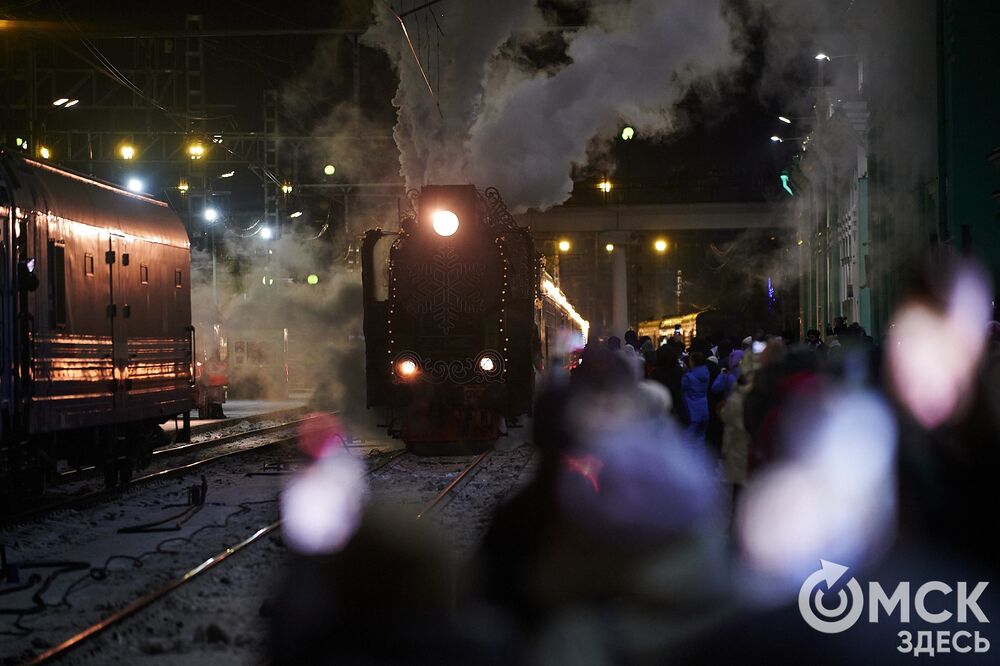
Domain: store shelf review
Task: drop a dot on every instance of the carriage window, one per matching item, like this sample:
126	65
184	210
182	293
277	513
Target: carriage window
88	264
57	283
178	280
143	273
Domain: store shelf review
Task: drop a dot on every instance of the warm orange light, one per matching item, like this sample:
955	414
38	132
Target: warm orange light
406	368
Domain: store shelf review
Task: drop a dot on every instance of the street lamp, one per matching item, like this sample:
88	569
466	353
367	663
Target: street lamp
604	186
329	169
127	151
135	184
196	150
660	245
788	121
564	245
265	233
610	247
779	139
44	152
211	214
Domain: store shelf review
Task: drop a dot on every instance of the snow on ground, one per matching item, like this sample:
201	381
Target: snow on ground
222	617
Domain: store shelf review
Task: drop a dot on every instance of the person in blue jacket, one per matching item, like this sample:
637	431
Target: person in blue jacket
694	388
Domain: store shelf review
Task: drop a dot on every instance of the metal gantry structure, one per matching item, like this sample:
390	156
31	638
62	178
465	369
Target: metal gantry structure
151	94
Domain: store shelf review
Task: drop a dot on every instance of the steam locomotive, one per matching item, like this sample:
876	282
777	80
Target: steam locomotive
96	343
458	314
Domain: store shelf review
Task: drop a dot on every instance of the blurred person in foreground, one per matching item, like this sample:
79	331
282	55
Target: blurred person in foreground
890	488
614	552
368	584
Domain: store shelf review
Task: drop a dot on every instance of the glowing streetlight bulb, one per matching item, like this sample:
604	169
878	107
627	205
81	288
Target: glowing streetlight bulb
822	56
610	247
135	185
660	245
785	120
266	233
211	214
604	186
329	169
776	139
564	245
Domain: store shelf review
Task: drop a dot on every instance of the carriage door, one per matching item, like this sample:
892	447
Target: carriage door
118	263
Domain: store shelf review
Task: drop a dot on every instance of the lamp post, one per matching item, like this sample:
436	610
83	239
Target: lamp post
822	57
781	139
211	215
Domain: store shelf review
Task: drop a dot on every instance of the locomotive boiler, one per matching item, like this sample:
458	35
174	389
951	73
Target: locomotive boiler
453	319
95	318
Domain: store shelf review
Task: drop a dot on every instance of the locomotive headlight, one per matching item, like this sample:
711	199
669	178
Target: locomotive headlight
487	364
406	368
445	222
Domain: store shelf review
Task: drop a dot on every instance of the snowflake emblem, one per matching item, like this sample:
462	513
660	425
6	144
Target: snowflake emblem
445	288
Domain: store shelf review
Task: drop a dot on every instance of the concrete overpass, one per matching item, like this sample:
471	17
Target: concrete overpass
656	217
620	225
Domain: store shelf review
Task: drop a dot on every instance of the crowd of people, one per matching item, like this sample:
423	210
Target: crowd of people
685	492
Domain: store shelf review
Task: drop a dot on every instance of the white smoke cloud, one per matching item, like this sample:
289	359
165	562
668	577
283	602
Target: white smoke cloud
523	132
431	132
634	63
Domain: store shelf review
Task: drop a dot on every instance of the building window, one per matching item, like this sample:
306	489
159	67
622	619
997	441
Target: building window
143	273
88	264
57	283
178	278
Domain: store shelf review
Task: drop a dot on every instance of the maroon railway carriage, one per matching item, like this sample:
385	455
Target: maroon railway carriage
97	343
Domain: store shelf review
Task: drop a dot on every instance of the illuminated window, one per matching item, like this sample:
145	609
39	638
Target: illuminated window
88	264
143	273
57	284
178	278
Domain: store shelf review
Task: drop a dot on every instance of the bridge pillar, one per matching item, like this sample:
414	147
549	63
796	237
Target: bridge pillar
619	292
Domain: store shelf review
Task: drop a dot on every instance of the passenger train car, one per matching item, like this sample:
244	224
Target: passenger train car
457	314
709	323
95	318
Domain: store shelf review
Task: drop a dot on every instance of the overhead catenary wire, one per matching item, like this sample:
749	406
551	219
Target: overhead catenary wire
416	59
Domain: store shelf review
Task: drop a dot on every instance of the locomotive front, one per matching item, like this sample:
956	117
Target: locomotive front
449	316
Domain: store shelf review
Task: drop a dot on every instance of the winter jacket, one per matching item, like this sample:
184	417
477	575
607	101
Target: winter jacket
694	387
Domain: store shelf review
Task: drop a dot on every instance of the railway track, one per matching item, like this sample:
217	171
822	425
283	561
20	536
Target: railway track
39	510
210	564
73	475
